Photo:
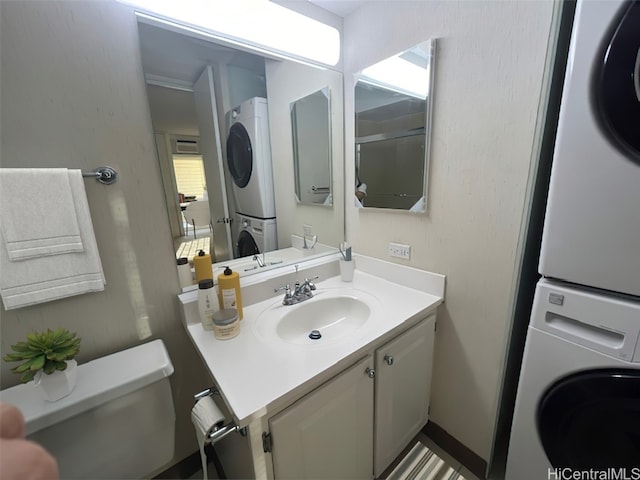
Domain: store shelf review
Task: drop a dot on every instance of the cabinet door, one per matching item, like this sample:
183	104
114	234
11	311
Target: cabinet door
403	385
328	433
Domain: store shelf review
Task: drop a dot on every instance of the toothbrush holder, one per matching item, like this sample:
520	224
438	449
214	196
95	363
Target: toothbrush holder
347	267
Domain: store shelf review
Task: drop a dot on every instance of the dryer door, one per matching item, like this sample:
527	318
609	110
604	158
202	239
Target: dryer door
239	154
591	420
618	83
246	245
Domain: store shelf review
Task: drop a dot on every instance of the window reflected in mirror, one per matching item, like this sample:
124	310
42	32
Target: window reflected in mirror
392	120
311	137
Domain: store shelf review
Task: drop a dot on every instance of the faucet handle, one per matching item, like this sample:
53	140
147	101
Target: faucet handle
286	288
288	298
312	286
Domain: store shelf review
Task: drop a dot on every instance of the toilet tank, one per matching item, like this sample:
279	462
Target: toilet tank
118	422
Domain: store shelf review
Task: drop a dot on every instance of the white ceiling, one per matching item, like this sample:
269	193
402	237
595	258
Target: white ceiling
181	57
339	7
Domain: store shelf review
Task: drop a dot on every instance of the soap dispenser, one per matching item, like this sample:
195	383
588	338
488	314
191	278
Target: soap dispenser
202	266
229	290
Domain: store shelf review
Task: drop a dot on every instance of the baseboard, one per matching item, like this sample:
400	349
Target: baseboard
188	466
457	450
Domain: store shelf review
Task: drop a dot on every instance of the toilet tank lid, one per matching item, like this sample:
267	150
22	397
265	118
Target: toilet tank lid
99	381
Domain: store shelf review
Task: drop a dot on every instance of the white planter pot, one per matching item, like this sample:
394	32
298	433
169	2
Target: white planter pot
59	384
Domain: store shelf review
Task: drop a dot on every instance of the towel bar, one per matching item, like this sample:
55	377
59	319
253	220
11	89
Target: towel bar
105	175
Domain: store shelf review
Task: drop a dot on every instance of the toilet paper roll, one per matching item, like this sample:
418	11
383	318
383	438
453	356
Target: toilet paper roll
206	418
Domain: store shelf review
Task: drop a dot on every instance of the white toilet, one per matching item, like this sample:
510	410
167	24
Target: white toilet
118	422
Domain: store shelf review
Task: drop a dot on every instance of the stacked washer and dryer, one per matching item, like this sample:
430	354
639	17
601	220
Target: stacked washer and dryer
578	402
250	166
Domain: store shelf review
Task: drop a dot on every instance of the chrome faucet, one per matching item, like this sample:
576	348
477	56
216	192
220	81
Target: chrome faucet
259	260
313	239
301	291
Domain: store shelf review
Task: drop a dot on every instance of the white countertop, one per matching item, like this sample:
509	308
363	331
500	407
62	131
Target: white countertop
252	373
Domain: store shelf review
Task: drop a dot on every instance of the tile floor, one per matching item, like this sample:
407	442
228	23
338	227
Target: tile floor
420	437
447	458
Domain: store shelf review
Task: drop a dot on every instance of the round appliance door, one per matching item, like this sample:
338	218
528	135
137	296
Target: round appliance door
246	245
591	420
239	155
618	82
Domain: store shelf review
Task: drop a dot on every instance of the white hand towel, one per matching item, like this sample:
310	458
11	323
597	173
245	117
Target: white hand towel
43	279
37	213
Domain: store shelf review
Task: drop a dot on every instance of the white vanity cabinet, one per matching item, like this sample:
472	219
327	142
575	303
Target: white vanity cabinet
335	431
329	432
403	384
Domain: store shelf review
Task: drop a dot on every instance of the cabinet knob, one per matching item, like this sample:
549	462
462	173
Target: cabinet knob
388	359
370	372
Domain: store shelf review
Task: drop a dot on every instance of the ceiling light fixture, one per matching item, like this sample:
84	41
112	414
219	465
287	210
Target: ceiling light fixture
397	74
258	23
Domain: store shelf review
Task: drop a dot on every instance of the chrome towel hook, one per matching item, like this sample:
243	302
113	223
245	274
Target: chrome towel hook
105	175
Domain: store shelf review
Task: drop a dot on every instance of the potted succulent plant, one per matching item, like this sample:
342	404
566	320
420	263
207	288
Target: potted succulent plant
48	359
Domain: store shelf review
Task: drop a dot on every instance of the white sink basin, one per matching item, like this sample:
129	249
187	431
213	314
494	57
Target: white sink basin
328	317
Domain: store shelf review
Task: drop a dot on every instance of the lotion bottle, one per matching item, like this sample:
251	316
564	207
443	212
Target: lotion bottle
184	272
207	303
229	286
202	266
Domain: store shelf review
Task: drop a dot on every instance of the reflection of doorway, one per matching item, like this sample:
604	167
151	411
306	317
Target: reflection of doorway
191	183
190	180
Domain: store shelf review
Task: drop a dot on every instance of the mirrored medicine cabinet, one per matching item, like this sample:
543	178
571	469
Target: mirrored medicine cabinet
311	134
393	101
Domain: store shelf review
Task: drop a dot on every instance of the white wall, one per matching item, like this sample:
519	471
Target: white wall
489	70
73	95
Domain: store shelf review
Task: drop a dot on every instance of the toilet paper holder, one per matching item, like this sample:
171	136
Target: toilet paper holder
219	433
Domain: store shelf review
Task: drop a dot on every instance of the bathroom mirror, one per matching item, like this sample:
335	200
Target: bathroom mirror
311	135
392	123
174	62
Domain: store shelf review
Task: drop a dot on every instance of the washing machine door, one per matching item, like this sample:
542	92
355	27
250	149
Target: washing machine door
239	154
246	245
618	82
591	420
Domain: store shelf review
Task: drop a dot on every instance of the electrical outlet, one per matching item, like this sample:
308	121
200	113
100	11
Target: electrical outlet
399	250
308	230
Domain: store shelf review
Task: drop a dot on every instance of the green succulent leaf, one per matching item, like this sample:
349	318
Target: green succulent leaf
21	347
17	357
37	363
35	341
61	365
49	368
62	354
22	368
27	377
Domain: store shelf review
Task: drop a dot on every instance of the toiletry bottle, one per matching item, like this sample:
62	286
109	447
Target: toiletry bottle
207	302
229	286
184	272
202	266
